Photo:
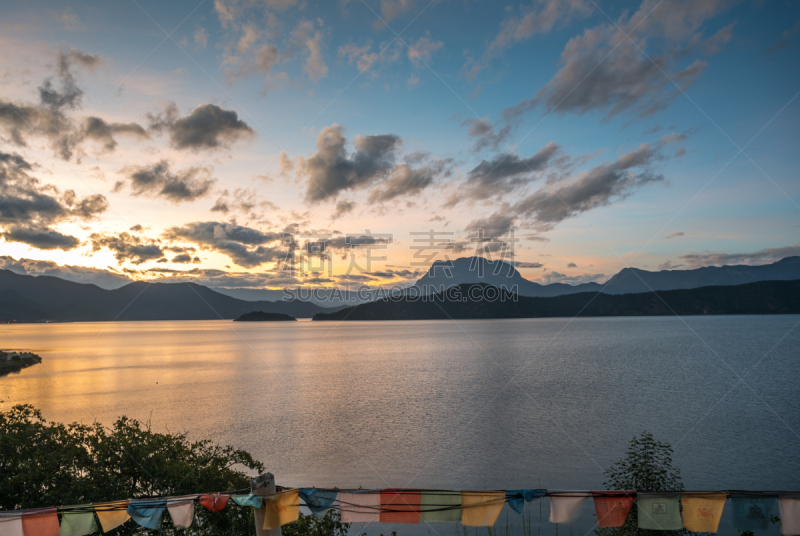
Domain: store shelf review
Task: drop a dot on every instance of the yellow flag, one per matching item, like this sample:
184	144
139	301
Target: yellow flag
281	509
112	514
701	512
481	508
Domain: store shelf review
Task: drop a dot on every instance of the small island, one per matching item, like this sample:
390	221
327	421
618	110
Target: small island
261	316
14	361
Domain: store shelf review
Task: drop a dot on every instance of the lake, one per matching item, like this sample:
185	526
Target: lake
473	404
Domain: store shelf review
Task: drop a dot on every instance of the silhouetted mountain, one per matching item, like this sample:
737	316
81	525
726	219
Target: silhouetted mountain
500	274
261	316
27	298
481	301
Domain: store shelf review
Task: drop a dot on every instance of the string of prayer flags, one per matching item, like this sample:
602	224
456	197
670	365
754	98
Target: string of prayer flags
564	505
481	508
214	502
181	510
702	511
659	511
789	506
281	508
248	500
363	506
516	498
612	507
753	511
78	524
147	513
40	522
439	506
317	500
112	514
11	524
400	506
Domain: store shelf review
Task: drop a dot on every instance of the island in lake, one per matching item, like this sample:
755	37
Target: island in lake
13	361
261	316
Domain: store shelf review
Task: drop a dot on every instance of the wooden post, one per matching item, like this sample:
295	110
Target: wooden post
263	485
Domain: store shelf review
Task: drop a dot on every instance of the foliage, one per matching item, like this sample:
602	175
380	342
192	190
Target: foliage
647	466
329	525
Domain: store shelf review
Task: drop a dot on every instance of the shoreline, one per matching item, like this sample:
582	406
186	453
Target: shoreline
14	361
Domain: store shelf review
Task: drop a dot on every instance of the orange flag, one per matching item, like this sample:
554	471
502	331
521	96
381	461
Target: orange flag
112	514
41	522
400	506
612	507
701	511
281	508
481	508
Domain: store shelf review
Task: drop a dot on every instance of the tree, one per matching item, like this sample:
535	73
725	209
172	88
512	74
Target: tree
646	466
52	464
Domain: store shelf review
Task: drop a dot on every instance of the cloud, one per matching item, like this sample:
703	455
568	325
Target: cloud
603	69
78	274
556	277
669	266
539	18
315	64
673	235
762	256
361	55
572	265
98	130
391	9
29	209
47	119
519	264
404	180
185	258
127	247
207	127
245	246
507	172
157	180
486	135
599	186
421	51
343	207
200	37
497	225
331	170
785	38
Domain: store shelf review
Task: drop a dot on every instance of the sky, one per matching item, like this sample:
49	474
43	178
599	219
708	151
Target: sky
255	144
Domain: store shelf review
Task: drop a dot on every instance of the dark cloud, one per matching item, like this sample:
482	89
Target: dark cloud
556	277
673	235
29	209
786	38
762	256
331	170
599	186
495	226
486	135
606	69
207	127
185	258
137	228
520	264
68	95
98	130
404	180
506	172
245	246
572	265
157	180
343	207
127	247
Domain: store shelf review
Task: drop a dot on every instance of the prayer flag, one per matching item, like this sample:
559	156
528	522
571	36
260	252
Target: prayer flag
11	525
752	511
147	513
790	514
181	510
78	524
659	511
317	500
701	511
612	507
400	506
40	522
481	508
360	506
516	498
439	506
248	500
112	514
564	505
280	509
214	502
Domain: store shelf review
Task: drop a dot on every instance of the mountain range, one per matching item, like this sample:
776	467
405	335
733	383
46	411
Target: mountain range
48	298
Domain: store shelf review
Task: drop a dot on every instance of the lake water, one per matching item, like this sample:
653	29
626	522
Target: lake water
493	404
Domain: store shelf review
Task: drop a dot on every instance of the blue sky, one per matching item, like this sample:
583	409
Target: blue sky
653	134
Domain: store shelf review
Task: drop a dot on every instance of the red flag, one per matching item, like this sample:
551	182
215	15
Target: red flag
214	502
612	507
400	506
